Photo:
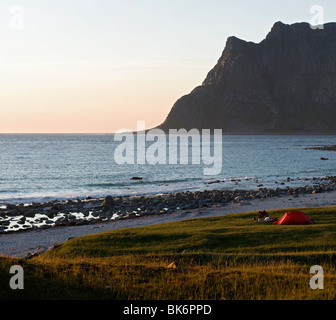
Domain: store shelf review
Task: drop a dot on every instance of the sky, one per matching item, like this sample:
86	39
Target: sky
98	66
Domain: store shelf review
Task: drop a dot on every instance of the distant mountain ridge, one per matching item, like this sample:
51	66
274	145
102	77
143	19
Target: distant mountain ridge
286	84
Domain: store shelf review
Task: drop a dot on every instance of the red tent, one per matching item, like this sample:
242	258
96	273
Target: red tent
294	217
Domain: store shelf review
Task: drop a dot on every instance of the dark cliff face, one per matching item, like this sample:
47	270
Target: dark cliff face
285	84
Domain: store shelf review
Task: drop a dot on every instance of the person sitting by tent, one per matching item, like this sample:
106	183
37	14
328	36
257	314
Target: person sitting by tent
264	216
261	216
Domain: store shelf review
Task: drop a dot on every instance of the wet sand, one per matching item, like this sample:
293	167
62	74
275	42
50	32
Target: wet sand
30	242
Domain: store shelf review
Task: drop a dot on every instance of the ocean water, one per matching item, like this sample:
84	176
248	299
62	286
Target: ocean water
44	167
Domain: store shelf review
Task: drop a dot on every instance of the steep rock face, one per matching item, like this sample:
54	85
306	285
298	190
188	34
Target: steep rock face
284	84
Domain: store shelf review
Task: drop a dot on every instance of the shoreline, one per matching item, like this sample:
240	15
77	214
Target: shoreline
30	242
59	213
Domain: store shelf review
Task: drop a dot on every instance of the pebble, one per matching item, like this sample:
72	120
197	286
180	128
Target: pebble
77	212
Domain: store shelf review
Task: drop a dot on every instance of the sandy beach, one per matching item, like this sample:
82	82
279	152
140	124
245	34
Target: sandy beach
30	242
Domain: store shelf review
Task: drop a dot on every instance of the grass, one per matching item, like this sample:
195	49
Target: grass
230	257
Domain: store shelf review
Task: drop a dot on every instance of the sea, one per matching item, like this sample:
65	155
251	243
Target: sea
46	167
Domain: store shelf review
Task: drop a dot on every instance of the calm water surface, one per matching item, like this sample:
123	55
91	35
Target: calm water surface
45	167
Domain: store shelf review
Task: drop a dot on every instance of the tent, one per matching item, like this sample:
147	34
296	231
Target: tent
294	217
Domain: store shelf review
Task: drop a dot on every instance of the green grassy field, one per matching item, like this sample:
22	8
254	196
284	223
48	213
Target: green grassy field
230	257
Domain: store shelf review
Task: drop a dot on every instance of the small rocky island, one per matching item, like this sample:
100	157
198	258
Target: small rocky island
323	148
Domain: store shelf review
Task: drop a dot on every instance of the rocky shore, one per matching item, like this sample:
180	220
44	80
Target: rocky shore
20	217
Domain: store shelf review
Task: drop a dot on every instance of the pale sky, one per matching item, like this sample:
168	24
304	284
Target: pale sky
96	66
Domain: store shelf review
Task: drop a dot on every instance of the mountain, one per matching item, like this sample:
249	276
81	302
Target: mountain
286	84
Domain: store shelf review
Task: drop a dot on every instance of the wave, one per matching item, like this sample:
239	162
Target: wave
304	171
138	189
143	181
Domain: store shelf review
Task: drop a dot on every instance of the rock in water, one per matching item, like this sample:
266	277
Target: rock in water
284	84
108	204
